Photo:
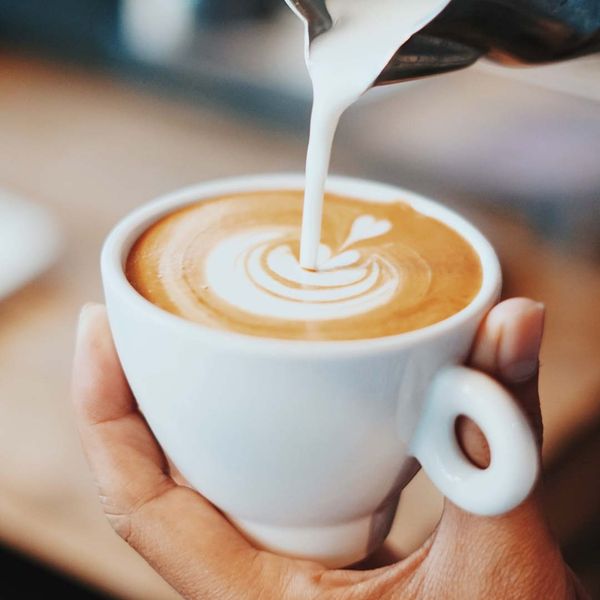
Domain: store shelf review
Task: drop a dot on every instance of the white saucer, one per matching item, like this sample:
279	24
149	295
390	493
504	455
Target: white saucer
29	242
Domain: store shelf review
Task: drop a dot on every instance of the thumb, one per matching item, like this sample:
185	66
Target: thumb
515	550
507	347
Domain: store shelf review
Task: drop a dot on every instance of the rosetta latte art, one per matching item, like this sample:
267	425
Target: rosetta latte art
258	272
233	263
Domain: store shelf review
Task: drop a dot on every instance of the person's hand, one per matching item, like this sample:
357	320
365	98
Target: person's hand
193	546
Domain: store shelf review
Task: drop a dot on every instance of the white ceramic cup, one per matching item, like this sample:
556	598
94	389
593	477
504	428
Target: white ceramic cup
304	445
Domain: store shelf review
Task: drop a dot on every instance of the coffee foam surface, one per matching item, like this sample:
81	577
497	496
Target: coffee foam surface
232	263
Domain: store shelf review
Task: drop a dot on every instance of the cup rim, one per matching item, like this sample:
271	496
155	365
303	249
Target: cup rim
120	240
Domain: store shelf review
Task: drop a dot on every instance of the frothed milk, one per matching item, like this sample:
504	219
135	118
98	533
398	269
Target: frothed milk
343	63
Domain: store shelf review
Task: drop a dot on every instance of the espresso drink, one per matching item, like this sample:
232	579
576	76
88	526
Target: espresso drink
232	263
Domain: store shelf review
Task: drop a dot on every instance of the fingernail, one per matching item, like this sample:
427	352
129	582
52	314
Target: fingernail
85	310
520	348
84	317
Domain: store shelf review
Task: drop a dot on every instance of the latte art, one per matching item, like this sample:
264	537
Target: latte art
259	272
233	263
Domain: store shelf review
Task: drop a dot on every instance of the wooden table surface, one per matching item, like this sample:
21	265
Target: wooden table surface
92	149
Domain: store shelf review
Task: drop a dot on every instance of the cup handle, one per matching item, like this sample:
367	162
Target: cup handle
514	466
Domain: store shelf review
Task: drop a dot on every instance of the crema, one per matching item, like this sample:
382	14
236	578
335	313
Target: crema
232	263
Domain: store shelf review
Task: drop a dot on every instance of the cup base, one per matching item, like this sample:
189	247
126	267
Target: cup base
333	546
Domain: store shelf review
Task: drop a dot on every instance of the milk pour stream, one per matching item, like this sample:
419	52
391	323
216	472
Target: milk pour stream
343	64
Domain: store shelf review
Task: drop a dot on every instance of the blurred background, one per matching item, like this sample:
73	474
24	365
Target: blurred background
105	104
